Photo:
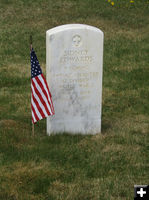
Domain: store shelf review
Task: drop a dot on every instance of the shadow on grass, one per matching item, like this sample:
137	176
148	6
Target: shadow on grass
105	126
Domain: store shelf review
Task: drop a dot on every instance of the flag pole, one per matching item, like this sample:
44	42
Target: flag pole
30	42
30	51
33	129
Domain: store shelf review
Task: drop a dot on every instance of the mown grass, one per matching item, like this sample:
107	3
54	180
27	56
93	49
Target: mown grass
66	167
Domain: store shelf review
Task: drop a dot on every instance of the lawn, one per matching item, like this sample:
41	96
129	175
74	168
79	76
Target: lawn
105	166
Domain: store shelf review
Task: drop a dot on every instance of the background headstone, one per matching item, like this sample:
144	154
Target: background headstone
74	62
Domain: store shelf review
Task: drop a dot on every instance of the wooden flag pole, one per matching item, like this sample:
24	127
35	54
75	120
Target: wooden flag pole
30	42
33	134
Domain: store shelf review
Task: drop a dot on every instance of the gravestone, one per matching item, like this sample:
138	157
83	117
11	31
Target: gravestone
74	62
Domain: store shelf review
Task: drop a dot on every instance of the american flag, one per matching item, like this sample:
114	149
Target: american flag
41	99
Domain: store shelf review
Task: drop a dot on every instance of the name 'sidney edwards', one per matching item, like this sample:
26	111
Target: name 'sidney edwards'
76	56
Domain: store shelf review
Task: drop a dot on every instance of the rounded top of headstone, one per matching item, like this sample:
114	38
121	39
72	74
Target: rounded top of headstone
72	26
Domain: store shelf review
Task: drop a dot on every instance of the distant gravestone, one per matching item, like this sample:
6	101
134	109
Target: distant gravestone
74	62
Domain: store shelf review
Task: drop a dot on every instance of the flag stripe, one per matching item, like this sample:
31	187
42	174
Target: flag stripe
41	95
42	92
36	109
41	77
38	106
39	99
33	117
34	112
41	82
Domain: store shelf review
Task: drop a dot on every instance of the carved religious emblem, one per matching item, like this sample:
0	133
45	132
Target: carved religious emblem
76	40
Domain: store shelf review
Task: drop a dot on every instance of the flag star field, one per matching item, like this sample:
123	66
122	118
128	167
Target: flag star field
35	66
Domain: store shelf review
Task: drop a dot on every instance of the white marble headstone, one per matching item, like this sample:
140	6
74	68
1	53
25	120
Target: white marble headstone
74	62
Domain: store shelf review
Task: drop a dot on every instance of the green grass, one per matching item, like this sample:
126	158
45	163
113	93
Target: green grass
66	167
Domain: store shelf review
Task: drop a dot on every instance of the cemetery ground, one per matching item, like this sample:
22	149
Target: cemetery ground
66	167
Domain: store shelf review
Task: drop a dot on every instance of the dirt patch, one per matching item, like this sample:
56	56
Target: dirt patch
9	123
